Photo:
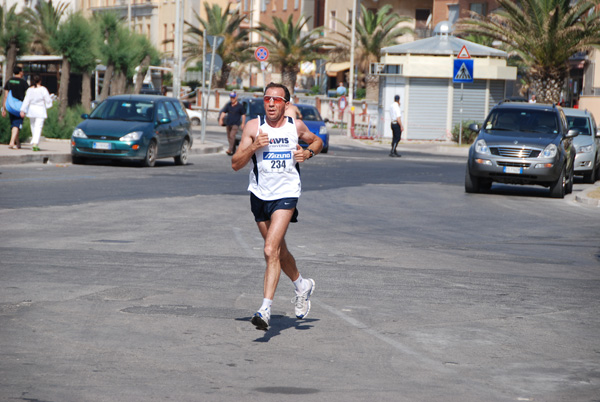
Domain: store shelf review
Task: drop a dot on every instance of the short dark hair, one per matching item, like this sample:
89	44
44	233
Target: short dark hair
276	85
396	98
17	70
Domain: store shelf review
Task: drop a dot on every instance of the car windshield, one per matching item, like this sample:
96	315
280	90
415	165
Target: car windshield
579	123
310	113
126	110
534	121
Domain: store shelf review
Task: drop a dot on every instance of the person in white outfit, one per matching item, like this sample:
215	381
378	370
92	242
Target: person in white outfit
37	100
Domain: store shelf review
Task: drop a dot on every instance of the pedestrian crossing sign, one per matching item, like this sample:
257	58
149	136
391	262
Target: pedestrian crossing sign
463	71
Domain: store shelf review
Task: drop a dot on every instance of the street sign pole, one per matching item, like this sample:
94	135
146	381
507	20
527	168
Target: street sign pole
204	106
462	87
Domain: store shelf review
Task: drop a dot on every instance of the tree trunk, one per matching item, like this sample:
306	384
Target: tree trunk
11	59
107	79
86	91
225	72
547	84
288	78
117	85
372	87
139	79
63	91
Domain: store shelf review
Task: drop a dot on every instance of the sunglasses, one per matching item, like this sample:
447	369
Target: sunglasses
275	99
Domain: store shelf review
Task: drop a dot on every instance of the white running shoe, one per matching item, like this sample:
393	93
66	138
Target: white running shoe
302	301
261	319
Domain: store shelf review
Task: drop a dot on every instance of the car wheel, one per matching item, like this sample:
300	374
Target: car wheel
150	159
570	181
591	177
472	184
195	121
557	189
325	150
182	158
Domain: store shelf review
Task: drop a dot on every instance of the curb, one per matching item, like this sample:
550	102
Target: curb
584	199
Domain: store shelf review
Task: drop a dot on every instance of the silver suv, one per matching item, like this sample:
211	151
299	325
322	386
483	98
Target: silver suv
587	144
522	143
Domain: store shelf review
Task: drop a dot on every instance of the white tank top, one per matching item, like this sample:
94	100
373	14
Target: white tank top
276	173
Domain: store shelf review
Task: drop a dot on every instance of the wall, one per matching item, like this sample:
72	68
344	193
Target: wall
591	103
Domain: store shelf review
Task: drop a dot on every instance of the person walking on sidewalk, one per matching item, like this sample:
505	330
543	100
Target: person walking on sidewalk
396	117
236	117
17	87
37	100
271	142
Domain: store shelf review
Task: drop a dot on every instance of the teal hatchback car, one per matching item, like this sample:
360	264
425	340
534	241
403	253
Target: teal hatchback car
141	128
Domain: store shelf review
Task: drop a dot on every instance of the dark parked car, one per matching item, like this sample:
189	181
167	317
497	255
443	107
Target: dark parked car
139	128
522	143
310	116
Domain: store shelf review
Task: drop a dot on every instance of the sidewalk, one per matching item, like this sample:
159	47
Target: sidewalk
59	151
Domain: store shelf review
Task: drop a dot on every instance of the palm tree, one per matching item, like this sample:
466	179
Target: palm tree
46	18
224	23
73	40
543	34
15	36
145	55
289	45
374	31
108	25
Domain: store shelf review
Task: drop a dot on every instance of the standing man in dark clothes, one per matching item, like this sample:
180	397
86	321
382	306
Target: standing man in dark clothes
18	86
236	117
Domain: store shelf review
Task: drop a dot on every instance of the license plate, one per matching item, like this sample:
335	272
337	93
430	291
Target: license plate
512	169
102	145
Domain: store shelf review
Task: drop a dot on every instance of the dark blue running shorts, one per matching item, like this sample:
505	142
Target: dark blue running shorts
263	210
15	121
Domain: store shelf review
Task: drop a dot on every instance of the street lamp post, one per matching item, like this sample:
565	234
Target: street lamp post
351	81
177	50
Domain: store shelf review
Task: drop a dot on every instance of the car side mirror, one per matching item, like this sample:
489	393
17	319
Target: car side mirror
572	133
474	127
597	133
326	120
85	116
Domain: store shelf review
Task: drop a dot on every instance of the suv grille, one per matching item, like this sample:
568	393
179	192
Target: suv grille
515	152
514	164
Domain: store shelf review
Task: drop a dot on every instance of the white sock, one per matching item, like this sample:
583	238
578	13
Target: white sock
266	304
299	284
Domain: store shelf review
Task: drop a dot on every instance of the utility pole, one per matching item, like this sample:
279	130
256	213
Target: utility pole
177	49
351	83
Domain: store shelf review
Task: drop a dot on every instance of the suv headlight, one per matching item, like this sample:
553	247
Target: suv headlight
549	152
481	147
133	136
586	148
78	133
323	130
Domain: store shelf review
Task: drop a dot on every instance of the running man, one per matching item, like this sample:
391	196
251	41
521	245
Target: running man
271	142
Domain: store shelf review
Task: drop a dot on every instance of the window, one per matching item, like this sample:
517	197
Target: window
285	5
349	17
263	6
296	4
453	13
479	8
161	113
332	20
171	110
421	17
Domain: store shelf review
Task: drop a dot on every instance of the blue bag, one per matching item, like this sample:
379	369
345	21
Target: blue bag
13	105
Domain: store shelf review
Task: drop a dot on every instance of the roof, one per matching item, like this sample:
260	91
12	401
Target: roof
441	45
140	97
569	111
526	106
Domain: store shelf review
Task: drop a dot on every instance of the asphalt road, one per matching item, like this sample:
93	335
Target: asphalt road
119	283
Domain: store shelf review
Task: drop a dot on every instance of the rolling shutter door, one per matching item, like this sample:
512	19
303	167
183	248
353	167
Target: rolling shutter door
427	108
473	103
497	89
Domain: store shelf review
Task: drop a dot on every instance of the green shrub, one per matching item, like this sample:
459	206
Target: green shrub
361	93
468	135
24	134
315	90
54	129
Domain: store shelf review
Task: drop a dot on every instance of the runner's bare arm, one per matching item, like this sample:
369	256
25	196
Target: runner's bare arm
314	142
249	143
